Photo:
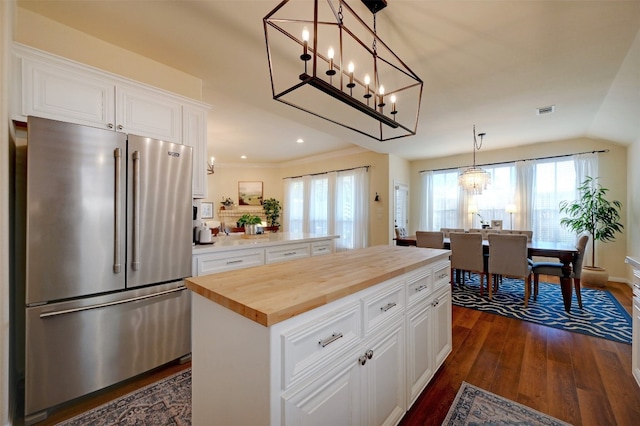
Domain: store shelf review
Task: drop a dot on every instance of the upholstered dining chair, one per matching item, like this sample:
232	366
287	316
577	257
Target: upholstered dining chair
430	239
447	231
555	269
508	258
467	255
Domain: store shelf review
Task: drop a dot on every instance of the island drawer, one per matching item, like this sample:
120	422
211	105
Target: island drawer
206	264
288	252
419	286
379	307
441	275
317	343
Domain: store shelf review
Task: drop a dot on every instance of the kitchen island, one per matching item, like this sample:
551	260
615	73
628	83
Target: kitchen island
351	337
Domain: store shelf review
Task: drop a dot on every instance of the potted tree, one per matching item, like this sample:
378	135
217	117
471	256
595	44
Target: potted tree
594	214
272	209
250	223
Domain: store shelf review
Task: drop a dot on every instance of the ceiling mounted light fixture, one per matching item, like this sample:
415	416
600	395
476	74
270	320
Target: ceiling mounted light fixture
474	179
324	47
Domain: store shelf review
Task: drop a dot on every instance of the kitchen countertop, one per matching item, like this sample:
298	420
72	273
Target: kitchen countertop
272	293
239	241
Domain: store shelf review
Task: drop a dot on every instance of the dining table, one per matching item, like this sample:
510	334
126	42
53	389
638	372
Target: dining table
564	252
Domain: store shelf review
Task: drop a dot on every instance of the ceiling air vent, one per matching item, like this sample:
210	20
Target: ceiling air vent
546	110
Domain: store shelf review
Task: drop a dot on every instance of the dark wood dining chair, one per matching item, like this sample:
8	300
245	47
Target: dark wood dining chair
467	256
555	269
508	258
430	239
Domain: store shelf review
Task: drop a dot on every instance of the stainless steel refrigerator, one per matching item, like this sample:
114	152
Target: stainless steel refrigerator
108	244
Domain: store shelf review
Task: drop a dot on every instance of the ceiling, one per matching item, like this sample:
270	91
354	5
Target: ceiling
488	63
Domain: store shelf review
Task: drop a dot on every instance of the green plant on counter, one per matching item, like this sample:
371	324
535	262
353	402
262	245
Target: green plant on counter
272	209
249	219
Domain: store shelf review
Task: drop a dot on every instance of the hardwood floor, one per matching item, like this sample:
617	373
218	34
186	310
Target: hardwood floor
579	379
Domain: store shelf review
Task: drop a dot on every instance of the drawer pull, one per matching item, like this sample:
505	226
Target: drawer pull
291	253
443	275
329	340
422	287
231	262
388	306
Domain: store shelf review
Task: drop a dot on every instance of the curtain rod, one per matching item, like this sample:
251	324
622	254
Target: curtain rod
330	171
526	159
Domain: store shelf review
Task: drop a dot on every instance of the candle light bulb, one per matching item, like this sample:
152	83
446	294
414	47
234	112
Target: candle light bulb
393	105
351	84
367	80
212	158
305	39
330	54
381	93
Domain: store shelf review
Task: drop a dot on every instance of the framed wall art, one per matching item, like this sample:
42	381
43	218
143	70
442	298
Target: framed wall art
250	193
496	224
207	210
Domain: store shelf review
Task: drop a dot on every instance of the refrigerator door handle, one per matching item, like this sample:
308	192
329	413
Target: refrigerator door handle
117	154
106	304
135	262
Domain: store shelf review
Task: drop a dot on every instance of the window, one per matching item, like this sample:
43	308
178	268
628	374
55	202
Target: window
536	187
330	203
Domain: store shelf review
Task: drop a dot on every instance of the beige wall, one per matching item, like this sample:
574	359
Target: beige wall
224	182
42	33
613	175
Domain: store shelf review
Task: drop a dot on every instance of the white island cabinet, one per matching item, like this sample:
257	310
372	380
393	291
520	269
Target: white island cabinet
347	338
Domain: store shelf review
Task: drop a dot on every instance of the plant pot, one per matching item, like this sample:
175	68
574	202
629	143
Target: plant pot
485	226
594	276
252	229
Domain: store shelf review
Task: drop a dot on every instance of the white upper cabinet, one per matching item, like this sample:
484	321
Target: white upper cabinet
194	134
63	94
59	89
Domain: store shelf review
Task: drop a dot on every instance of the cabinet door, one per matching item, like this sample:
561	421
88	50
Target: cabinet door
211	263
194	134
420	360
148	113
442	326
64	94
384	377
333	399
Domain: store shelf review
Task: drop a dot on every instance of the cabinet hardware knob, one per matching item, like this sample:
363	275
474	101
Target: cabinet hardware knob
110	125
120	127
362	360
369	353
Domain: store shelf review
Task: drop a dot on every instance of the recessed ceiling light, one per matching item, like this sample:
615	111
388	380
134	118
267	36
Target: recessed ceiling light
243	157
300	140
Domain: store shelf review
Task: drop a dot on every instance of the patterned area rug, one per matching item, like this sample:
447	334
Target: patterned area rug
475	406
166	402
601	315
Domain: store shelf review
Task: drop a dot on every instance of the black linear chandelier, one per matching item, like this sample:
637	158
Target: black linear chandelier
325	47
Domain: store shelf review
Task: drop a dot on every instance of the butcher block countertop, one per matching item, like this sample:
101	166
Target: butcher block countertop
273	293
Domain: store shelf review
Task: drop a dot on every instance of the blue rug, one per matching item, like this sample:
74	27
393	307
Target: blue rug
475	406
601	315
